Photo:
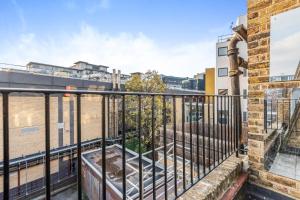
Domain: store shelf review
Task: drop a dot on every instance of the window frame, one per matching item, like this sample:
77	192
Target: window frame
221	69
222	48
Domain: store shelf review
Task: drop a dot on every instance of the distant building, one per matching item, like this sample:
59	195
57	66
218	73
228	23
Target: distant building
80	69
186	83
210	81
222	79
200	78
173	82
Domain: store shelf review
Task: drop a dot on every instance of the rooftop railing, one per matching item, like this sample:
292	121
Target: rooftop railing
281	113
179	140
224	38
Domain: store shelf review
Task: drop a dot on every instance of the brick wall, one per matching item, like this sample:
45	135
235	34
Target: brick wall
259	13
27	123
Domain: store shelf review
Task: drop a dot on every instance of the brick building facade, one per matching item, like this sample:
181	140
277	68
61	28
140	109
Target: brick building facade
259	14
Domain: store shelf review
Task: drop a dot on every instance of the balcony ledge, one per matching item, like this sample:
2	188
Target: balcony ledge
215	184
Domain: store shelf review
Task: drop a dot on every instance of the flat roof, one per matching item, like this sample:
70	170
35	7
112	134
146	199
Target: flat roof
90	64
114	169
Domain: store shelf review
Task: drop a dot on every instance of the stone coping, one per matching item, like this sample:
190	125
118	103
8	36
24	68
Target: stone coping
217	182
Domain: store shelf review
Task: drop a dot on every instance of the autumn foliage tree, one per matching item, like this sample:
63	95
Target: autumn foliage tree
149	82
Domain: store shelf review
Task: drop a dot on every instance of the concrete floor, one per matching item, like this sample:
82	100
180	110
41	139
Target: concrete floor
286	165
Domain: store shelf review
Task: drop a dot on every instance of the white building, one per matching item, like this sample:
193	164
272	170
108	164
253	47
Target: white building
222	79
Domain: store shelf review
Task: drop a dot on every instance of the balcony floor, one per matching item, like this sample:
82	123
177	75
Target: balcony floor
286	165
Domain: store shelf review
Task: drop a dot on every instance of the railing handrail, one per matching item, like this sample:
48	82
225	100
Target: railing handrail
217	136
61	91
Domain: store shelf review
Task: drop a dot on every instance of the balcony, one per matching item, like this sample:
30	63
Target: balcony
112	145
283	136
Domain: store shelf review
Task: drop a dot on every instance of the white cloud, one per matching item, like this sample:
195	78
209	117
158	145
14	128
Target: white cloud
126	51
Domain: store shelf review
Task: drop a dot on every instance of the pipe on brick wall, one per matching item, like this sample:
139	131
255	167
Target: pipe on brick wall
235	62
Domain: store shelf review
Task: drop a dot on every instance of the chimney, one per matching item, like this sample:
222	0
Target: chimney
113	78
119	80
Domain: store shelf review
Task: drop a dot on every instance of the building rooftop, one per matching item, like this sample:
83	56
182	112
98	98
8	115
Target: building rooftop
114	171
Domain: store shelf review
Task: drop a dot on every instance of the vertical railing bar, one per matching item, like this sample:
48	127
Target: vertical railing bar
271	113
165	146
214	133
231	122
289	113
225	126
218	131
183	139
283	118
47	146
104	147
141	182
240	123
221	114
123	147
228	123
175	146
5	115
277	114
153	146
203	134
208	131
191	140
236	126
108	114
79	147
197	132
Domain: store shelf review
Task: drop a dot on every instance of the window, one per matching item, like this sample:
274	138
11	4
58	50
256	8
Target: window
222	51
244	116
222	72
223	91
244	94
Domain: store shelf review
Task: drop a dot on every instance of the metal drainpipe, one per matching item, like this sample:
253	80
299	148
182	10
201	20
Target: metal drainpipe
236	62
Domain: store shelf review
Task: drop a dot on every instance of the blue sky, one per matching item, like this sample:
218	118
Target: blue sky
175	37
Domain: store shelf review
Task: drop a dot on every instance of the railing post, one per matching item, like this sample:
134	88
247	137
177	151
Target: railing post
141	179
197	133
203	134
237	125
153	146
165	146
47	146
103	149
183	139
123	147
191	140
208	131
214	132
5	116
79	147
175	146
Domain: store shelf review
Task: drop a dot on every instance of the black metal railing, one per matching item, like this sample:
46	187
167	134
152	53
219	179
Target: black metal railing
180	139
281	113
